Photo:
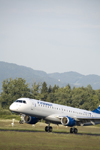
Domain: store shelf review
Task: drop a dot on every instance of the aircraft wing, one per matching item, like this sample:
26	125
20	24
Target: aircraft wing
82	120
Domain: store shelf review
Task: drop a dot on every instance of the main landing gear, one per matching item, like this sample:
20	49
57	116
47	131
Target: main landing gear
48	128
73	130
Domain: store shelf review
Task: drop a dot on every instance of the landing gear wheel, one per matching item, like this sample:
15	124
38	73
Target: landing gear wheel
71	130
75	130
21	121
48	129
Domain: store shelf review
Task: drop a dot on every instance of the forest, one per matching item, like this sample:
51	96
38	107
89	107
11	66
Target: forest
82	97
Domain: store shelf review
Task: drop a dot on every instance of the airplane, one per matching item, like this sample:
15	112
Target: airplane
34	110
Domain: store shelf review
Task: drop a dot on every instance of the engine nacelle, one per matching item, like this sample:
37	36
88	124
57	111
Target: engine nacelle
30	119
67	121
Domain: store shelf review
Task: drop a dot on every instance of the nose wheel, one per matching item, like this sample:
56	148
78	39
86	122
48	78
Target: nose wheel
21	121
73	130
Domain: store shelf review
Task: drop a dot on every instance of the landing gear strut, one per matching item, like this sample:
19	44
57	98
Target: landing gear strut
48	128
73	130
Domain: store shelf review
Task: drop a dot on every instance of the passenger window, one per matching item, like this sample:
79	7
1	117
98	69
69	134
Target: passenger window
24	102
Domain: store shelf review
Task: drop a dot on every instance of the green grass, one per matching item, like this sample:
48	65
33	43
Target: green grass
47	141
7	114
60	139
17	117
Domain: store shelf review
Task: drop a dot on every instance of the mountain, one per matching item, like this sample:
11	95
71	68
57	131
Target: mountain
77	80
10	70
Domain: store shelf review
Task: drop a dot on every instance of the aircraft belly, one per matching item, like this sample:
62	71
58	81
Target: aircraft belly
53	118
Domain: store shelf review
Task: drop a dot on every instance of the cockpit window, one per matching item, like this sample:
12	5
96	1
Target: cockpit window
20	101
17	101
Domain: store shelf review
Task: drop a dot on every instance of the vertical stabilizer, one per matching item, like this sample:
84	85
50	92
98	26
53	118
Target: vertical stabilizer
97	110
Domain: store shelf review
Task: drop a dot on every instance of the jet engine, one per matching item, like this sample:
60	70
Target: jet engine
68	121
30	119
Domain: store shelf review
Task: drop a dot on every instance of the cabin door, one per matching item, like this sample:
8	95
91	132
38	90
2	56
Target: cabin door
32	106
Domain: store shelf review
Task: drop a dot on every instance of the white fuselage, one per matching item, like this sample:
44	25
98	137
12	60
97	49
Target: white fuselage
48	111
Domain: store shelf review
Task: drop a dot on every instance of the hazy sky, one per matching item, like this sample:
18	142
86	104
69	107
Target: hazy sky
51	35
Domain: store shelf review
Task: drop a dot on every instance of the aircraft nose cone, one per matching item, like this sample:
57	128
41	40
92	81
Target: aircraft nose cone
10	107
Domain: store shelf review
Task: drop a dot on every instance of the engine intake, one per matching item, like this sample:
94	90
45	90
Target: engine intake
68	121
30	119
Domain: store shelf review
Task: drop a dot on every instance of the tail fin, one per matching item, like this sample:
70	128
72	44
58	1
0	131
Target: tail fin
97	110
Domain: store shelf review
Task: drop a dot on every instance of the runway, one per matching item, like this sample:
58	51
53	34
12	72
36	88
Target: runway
89	134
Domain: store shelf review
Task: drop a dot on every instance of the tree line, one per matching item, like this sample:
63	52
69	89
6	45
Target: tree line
82	97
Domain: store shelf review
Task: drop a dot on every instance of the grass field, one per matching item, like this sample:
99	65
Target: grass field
60	139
